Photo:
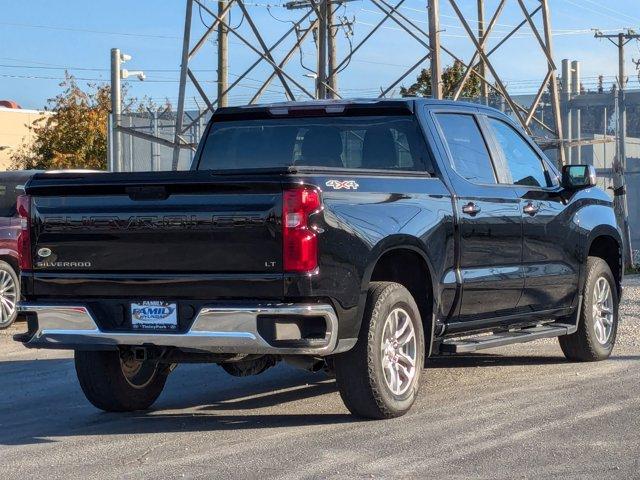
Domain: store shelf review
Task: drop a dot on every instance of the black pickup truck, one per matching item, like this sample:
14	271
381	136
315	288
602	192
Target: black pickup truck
361	237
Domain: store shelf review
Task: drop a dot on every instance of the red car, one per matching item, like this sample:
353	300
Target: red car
11	185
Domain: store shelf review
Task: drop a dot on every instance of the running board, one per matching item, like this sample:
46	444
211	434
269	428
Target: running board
472	344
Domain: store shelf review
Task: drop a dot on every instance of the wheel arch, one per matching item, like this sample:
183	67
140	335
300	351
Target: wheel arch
605	242
10	258
402	259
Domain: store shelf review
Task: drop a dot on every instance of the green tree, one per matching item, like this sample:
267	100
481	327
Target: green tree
451	78
74	135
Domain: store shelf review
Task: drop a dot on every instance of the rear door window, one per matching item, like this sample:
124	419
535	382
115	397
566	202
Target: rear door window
469	152
362	142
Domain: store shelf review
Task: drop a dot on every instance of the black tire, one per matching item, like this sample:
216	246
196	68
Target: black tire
583	345
106	386
359	372
9	295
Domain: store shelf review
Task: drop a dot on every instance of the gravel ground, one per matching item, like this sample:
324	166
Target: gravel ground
513	412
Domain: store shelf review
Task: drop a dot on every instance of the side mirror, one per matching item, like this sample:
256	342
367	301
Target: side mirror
576	177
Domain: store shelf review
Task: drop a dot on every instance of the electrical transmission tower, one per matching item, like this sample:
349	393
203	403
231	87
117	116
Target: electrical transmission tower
317	23
480	61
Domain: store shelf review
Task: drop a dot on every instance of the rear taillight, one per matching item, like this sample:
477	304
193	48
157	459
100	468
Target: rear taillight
300	242
24	236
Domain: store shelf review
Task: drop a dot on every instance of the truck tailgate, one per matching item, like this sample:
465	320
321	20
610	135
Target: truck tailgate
185	222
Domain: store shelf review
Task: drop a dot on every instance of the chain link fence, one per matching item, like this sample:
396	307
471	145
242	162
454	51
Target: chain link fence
139	154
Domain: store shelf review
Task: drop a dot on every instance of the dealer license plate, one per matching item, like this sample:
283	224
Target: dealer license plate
154	315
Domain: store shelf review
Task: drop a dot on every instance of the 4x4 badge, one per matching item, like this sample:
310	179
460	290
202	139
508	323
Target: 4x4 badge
340	184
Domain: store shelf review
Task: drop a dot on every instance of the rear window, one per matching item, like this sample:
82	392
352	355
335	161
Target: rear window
9	191
380	143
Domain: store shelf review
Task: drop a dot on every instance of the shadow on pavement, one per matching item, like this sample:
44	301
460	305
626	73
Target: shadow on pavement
464	360
41	401
46	403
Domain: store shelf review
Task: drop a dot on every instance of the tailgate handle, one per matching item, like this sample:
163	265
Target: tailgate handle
147	193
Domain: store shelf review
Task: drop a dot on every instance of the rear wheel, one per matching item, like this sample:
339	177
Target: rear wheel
9	294
598	323
380	377
115	381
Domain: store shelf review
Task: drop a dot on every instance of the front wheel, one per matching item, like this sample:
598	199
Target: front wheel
598	322
116	382
380	377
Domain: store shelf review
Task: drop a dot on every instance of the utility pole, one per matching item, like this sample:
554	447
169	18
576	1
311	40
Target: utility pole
619	165
332	50
434	44
576	134
325	35
223	57
566	112
116	108
321	80
484	92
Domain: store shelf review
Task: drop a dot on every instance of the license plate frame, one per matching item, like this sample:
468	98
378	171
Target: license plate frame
154	315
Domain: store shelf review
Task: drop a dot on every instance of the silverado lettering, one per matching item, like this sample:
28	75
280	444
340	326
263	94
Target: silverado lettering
60	224
44	264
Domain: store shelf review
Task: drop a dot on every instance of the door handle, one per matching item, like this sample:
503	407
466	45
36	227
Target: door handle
471	209
531	209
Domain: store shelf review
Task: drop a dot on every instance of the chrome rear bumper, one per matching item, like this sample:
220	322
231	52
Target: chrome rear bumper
215	330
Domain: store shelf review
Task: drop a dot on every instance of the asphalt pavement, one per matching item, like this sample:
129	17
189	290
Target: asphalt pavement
514	412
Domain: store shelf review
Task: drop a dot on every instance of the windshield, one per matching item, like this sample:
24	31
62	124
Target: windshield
362	142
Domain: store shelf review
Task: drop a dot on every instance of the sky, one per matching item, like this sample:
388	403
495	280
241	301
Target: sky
41	39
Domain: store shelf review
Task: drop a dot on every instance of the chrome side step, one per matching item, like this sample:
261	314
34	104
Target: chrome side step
499	339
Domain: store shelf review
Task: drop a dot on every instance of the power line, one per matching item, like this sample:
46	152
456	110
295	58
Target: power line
523	34
557	31
592	10
90	69
41	77
85	30
84	79
268	6
510	81
604	7
35	67
123	34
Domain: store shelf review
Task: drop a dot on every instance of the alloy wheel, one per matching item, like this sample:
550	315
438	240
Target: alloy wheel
8	297
602	310
399	351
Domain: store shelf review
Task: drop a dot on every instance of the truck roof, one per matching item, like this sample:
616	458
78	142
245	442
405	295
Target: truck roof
18	175
406	105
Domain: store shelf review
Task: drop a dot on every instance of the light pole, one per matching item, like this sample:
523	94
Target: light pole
116	108
118	74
